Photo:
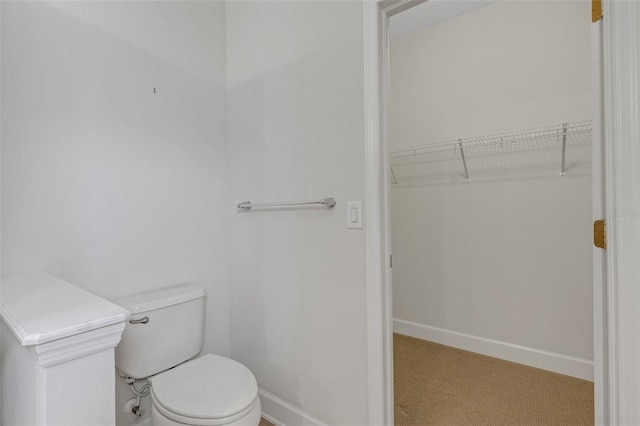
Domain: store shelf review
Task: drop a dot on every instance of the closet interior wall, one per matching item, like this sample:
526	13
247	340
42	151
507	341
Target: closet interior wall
502	263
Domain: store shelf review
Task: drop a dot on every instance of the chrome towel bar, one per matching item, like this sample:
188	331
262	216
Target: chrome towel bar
327	202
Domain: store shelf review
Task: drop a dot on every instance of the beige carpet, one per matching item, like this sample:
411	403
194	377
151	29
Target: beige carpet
439	385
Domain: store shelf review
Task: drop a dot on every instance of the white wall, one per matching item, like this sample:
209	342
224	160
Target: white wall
506	66
296	131
105	183
508	259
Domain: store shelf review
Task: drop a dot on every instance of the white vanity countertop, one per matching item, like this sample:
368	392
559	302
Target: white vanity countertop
39	308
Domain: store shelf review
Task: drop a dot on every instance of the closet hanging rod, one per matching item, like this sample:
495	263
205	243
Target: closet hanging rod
327	202
560	131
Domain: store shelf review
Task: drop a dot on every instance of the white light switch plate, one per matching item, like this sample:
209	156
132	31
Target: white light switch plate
354	214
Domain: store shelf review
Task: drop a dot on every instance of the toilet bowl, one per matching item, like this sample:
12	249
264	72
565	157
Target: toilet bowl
210	390
163	334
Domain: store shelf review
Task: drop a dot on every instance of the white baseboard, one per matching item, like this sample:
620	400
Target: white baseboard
281	413
563	364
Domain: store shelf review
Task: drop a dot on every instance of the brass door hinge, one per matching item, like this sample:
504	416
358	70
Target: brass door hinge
596	10
600	234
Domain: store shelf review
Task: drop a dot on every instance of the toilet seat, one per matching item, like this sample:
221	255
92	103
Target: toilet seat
185	420
210	390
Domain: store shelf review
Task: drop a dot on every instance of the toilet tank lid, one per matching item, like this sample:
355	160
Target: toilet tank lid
153	300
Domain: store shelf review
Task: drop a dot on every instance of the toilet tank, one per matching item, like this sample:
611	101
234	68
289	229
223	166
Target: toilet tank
166	328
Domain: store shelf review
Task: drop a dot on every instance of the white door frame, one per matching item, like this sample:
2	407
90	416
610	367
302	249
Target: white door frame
598	209
617	345
621	54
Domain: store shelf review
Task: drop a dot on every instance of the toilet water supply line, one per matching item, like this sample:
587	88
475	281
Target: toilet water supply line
145	391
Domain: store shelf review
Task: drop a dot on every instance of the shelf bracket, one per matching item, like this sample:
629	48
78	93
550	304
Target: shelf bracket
394	179
564	147
464	161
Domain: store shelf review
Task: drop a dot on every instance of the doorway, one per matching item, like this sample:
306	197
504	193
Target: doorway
616	341
468	171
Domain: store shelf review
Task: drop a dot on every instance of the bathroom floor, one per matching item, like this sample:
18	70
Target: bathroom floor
443	386
264	422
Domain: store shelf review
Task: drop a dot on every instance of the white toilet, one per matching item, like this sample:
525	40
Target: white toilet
166	330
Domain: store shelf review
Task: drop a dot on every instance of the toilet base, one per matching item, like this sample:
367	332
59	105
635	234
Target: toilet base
251	419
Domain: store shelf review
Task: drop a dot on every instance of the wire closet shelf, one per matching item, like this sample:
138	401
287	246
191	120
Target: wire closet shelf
560	147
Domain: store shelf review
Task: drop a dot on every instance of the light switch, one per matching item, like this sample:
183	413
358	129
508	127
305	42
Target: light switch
354	214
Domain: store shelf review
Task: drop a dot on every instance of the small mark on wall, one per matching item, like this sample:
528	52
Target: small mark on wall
154	90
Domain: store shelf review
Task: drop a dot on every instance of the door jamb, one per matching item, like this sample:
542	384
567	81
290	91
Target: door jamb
378	245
